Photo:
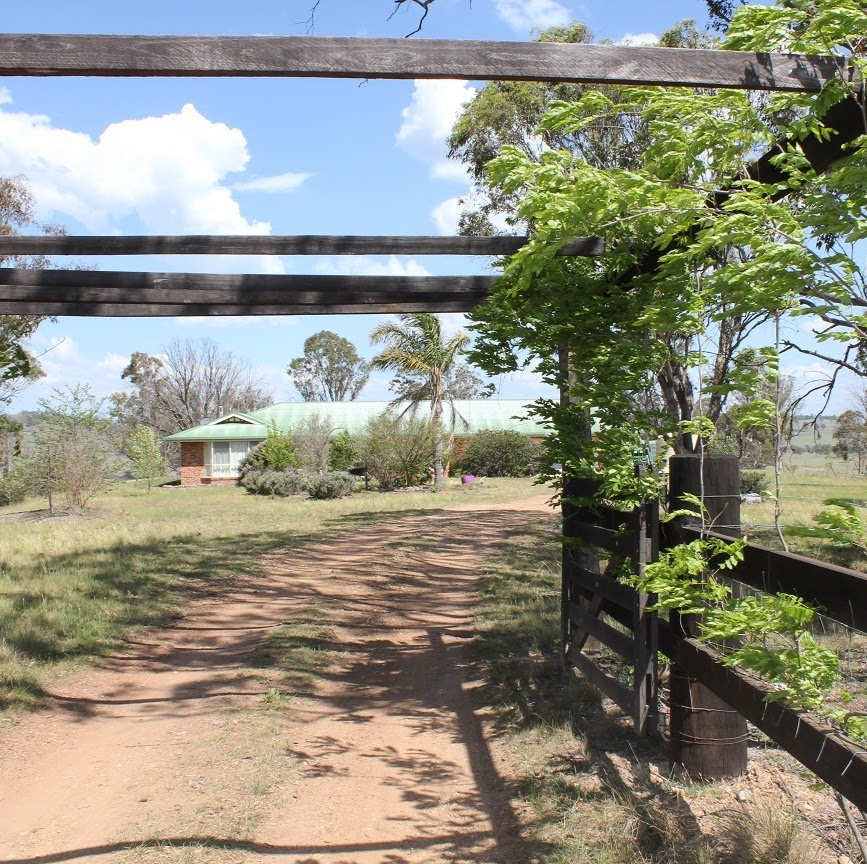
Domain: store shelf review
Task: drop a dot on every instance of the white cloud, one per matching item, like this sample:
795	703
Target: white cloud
276	183
64	362
427	123
114	363
526	15
166	172
366	265
637	40
446	215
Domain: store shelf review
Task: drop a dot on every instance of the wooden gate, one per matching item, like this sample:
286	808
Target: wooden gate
599	611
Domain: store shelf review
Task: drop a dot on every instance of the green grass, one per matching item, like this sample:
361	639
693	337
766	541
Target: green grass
71	585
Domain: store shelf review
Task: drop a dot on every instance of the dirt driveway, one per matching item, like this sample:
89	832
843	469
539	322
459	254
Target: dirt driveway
178	749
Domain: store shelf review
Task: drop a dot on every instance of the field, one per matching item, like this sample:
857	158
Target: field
71	584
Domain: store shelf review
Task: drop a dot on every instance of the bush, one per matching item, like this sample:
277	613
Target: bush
312	439
276	452
332	485
498	453
14	488
269	482
753	482
342	452
396	451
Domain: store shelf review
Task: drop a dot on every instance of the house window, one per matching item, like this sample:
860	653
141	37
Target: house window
226	458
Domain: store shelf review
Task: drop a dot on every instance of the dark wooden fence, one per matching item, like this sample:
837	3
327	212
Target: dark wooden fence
595	602
625	538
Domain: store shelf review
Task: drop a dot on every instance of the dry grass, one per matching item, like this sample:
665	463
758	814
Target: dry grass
589	791
69	587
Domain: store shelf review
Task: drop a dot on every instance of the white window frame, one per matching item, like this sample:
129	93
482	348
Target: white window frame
237	451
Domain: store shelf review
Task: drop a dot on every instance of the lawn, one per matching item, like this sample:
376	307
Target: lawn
71	585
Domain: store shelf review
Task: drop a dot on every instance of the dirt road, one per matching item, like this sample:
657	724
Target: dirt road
176	749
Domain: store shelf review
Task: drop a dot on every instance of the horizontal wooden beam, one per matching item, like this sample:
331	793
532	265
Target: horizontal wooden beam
119	286
329	57
276	245
111	293
166	310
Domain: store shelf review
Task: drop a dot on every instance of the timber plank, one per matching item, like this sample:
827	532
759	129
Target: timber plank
613	689
612	590
604	538
166	310
605	633
216	297
225	286
840	762
345	57
245	244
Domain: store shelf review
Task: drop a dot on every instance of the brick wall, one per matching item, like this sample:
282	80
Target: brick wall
192	463
192	468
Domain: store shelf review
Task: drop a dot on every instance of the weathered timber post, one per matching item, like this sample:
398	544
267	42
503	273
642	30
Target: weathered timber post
572	487
708	738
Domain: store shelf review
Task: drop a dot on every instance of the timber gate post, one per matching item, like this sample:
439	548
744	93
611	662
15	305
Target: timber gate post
708	738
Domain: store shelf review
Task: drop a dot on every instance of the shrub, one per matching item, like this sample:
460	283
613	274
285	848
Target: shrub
332	485
312	439
276	452
498	453
342	452
396	451
755	482
14	487
266	481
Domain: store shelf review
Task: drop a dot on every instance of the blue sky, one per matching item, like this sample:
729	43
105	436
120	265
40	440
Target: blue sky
287	156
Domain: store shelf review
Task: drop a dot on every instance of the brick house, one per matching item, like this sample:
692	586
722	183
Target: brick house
211	453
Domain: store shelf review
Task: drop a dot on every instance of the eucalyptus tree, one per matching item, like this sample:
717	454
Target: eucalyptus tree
190	381
330	369
416	346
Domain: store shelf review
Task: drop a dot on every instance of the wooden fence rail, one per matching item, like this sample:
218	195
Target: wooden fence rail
837	760
838	592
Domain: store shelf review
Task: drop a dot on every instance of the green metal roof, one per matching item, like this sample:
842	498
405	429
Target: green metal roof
472	416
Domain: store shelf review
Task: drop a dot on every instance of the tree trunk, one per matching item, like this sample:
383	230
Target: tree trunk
437	425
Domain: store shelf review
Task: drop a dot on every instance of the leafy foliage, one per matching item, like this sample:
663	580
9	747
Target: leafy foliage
498	453
312	440
74	455
15	486
343	452
18	366
417	347
693	242
839	522
276	452
396	450
755	482
147	458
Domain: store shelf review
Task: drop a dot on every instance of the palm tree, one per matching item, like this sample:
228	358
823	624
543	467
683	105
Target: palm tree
416	345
